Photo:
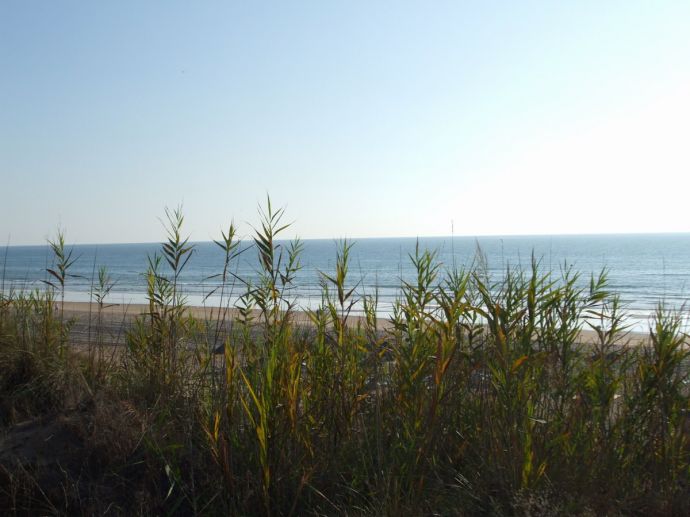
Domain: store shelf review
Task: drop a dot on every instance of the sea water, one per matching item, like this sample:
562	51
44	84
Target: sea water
643	269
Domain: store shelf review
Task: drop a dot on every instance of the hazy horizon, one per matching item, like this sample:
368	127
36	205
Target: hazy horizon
249	239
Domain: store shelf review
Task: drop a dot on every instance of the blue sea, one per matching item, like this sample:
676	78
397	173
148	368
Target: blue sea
643	269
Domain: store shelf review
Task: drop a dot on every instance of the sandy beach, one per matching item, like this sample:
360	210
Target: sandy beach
115	319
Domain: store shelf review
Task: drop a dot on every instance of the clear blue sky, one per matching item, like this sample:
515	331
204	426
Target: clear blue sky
364	119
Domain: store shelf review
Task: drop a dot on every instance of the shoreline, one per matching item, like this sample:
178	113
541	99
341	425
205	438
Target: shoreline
116	314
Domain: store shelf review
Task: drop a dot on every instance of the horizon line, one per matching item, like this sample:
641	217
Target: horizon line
355	239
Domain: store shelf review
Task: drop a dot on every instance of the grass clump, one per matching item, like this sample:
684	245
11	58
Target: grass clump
479	395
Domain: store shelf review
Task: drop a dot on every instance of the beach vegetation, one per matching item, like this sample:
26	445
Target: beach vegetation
523	393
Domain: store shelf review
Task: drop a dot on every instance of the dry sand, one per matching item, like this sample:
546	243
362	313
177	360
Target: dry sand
116	318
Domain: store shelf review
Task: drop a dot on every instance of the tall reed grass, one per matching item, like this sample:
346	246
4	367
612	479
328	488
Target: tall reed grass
479	395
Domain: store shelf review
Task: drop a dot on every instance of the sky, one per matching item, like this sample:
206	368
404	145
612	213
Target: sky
361	119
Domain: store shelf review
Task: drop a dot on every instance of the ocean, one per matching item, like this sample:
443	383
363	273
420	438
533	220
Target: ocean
644	269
